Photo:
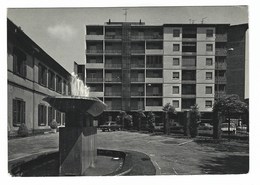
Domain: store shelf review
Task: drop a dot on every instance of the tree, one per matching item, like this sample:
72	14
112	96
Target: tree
228	106
122	115
194	120
140	114
168	110
151	121
128	119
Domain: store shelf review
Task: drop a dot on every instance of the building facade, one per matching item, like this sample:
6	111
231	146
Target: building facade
132	66
32	75
236	60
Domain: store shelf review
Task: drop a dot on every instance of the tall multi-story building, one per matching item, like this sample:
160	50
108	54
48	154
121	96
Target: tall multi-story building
32	75
132	66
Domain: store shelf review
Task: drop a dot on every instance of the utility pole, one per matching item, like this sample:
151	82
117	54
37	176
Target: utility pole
125	9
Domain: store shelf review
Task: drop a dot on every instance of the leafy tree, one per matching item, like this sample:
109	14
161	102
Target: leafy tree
228	106
122	115
128	121
151	121
194	120
168	110
140	114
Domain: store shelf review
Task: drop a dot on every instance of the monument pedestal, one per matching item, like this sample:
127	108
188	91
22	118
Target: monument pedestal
77	149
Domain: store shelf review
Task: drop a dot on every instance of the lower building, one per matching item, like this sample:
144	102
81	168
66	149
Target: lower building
32	75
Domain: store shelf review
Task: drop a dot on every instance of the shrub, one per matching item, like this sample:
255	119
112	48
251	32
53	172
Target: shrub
53	124
23	130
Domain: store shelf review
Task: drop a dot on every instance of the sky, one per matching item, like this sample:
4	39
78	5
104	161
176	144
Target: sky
61	31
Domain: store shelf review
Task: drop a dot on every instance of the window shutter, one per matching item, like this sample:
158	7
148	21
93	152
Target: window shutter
14	63
14	113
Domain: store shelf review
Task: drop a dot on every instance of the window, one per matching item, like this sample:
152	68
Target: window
208	75
175	90
209	33
18	112
63	118
19	63
176	33
209	61
176	61
209	47
51	80
175	75
42	78
189	47
188	89
59	84
176	47
51	114
58	117
208	90
208	104
175	103
42	115
64	87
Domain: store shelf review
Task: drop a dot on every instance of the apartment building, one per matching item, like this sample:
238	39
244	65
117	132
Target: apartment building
132	66
32	75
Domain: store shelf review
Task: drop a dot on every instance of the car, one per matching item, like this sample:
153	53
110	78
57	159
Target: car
158	127
224	127
110	126
205	126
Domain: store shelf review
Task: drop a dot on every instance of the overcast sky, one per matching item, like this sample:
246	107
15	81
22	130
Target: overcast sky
60	32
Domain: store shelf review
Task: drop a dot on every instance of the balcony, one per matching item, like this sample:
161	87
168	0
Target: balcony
221	66
154	65
189	53
137	37
113	51
94	79
221	52
221	38
94	51
219	94
194	39
113	66
154	37
137	79
149	93
137	51
113	79
188	81
220	80
137	107
115	93
113	36
136	93
137	65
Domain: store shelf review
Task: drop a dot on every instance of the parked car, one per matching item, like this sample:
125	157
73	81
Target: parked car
110	126
224	127
158	127
205	126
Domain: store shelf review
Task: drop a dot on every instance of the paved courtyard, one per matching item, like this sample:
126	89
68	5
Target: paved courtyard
170	155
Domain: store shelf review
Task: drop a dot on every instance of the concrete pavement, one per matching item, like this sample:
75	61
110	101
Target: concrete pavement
170	156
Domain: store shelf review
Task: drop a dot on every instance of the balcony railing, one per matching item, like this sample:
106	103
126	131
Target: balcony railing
221	52
113	51
113	65
137	51
94	51
134	93
219	94
113	79
221	38
94	79
107	93
137	65
113	36
137	79
153	94
221	65
188	53
219	80
153	36
154	65
137	107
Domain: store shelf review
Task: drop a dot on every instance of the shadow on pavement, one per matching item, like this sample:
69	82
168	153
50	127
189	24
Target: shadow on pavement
232	164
